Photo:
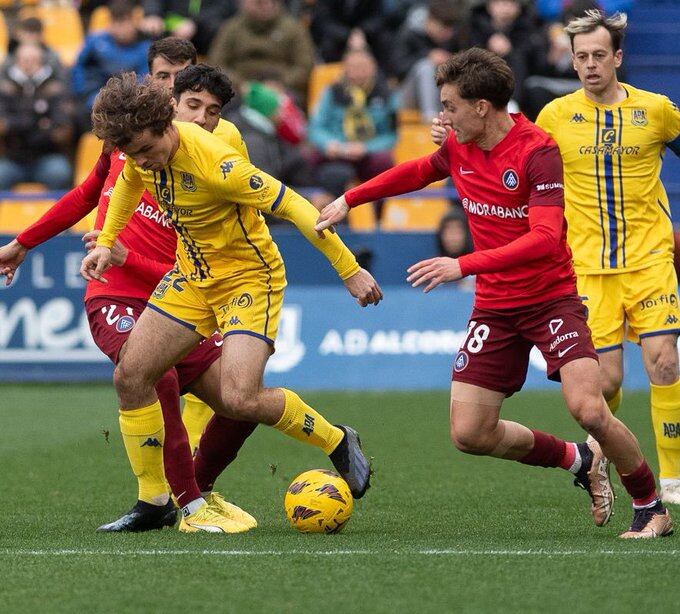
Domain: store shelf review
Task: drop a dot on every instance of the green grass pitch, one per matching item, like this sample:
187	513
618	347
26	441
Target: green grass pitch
437	532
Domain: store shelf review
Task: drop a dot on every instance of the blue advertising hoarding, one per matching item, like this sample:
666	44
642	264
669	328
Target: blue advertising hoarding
326	341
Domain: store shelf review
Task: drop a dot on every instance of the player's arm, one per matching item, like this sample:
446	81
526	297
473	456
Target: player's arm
671	136
124	200
546	119
546	223
236	180
67	211
401	179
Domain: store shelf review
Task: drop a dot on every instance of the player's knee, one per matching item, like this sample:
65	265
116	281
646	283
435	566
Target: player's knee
590	412
610	386
665	369
239	404
470	442
127	379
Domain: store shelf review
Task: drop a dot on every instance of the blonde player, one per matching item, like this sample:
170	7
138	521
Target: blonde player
229	273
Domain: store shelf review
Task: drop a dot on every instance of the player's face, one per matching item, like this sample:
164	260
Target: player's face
150	151
201	108
163	71
463	115
595	60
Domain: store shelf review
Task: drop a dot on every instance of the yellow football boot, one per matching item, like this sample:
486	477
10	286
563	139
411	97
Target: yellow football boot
229	510
209	520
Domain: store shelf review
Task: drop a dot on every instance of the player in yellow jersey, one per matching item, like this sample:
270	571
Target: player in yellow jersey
229	273
612	138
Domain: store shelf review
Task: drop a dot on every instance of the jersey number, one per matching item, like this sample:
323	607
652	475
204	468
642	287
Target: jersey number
476	336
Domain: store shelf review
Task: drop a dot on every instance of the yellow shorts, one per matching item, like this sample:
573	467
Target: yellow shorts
248	303
631	305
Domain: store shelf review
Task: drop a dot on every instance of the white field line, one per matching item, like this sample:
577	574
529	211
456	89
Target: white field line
324	553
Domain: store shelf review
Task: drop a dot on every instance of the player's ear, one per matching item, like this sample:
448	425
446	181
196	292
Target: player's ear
173	103
482	107
618	58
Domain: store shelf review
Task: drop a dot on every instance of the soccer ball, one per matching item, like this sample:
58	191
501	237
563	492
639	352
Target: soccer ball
318	501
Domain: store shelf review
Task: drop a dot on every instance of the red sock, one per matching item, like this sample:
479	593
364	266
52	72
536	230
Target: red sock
548	451
219	445
640	485
569	456
177	460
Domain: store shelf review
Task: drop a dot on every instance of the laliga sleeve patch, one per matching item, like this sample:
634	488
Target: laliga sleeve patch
462	360
125	324
256	182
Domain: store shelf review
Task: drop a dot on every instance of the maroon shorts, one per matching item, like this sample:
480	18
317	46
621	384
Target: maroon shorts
111	320
495	352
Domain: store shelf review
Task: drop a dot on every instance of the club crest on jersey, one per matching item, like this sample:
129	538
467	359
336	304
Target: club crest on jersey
510	179
256	182
462	360
187	182
638	117
125	324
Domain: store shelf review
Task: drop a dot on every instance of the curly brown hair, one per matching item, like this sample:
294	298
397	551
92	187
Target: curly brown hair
124	108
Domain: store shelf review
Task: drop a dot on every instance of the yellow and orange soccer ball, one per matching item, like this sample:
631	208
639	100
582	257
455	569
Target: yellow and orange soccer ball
318	501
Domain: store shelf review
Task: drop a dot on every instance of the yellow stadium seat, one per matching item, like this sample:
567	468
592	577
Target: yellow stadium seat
418	214
63	29
87	154
321	77
362	219
101	18
408	116
4	37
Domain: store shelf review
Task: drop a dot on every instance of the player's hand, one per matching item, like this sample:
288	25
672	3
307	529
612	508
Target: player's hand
439	129
364	288
96	263
331	214
11	256
119	252
434	271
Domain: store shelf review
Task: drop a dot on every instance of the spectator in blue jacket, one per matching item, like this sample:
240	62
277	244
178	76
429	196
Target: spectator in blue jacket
550	10
353	127
117	49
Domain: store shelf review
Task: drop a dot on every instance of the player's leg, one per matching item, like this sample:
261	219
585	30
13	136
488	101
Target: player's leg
660	355
654	319
583	396
245	398
603	297
111	320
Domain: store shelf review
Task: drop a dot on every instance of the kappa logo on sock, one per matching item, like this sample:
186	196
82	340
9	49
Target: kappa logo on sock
671	430
309	425
152	442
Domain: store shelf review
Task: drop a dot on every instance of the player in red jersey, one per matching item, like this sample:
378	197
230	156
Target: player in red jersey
144	255
508	174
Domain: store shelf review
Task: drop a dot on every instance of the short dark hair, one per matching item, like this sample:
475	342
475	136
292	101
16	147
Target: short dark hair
479	74
174	49
446	12
201	77
30	24
121	10
124	108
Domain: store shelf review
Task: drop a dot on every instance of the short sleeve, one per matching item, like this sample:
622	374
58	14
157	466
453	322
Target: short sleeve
671	125
546	119
545	177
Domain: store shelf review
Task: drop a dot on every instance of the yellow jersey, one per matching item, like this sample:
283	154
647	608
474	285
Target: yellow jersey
215	198
616	207
229	133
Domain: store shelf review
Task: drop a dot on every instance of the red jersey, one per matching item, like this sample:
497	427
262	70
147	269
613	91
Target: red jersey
514	201
149	232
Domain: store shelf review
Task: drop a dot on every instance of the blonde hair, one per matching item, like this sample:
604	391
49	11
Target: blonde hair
594	19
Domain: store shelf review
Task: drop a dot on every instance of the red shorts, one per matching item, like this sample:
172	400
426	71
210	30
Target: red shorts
495	352
111	320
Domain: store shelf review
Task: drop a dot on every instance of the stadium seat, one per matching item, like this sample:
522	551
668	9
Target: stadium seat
63	29
362	219
321	77
408	116
418	214
4	37
101	18
87	154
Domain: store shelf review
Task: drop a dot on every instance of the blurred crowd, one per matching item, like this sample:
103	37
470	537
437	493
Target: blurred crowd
375	60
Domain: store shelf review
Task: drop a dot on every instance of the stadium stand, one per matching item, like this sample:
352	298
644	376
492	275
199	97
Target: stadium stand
321	77
87	153
63	29
4	37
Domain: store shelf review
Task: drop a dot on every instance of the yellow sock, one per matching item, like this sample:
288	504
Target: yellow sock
665	401
303	423
195	416
143	436
615	402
